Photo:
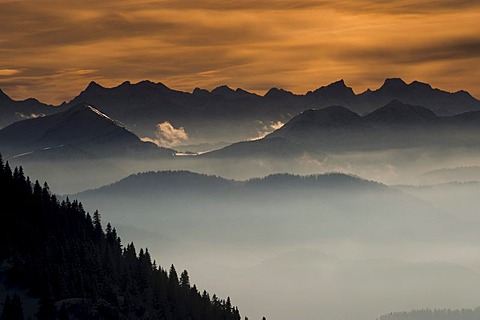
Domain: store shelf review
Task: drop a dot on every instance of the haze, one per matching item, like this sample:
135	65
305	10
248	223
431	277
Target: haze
331	204
331	247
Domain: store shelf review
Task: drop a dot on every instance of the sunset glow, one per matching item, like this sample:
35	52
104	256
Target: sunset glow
52	50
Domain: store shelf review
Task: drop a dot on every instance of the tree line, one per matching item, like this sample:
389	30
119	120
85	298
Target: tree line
78	268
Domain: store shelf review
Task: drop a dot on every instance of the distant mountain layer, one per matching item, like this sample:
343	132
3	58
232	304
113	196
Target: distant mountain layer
78	148
224	101
12	110
395	125
164	183
237	114
81	131
315	206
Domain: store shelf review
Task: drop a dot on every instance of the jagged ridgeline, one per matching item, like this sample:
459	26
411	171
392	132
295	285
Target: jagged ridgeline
77	269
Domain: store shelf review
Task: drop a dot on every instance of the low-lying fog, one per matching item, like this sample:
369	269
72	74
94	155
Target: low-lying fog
292	251
416	166
288	249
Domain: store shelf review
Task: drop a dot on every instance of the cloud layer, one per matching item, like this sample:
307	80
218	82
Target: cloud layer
51	51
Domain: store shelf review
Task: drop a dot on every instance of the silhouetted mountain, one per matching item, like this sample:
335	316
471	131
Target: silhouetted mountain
239	115
416	93
336	93
275	93
328	181
398	113
80	144
283	213
12	110
76	267
229	93
326	202
328	118
167	183
81	127
395	125
236	114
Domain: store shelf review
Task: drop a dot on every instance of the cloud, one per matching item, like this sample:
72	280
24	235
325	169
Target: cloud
428	51
167	135
23	116
9	72
267	128
398	6
186	44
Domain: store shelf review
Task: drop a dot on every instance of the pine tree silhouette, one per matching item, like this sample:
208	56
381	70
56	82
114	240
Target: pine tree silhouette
57	251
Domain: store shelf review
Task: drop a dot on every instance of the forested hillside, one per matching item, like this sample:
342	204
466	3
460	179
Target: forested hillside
78	268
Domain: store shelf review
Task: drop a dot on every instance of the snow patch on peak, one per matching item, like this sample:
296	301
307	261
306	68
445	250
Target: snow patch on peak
99	112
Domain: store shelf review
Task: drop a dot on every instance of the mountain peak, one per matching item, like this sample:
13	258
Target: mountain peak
340	83
148	84
394	83
200	92
228	93
94	86
396	112
4	96
277	93
86	110
331	116
243	92
337	89
421	85
125	84
223	89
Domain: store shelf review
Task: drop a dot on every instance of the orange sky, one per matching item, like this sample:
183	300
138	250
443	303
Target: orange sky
51	49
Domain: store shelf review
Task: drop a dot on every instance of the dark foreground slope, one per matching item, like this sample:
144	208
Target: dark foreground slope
78	269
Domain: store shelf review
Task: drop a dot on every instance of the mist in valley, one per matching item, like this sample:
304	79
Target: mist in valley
331	215
281	160
287	247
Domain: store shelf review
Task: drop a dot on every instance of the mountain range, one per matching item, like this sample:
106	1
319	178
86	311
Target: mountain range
234	115
393	126
278	209
79	144
84	139
81	128
12	110
167	183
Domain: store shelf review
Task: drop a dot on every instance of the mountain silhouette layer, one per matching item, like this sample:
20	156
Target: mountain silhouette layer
82	127
234	114
393	126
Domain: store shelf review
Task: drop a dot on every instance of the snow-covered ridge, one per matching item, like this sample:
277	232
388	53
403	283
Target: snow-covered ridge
99	112
103	115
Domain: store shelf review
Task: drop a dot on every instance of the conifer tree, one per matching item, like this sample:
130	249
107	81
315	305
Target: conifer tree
57	251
